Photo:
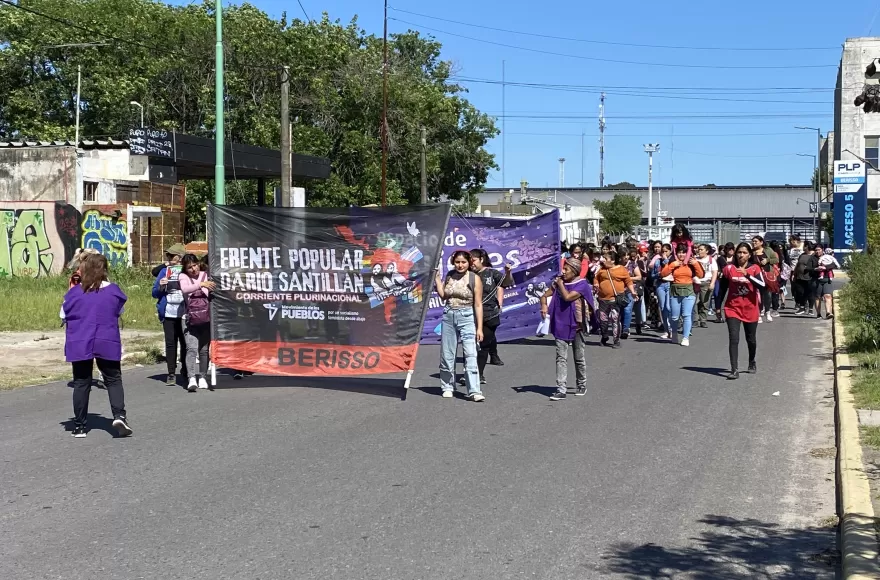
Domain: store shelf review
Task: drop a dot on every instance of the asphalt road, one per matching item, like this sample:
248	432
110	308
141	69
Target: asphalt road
664	470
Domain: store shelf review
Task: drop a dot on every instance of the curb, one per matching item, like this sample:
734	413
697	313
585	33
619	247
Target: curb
858	537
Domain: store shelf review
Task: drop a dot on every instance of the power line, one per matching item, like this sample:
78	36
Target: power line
724	155
658	134
304	11
606	42
648	95
615	61
666	116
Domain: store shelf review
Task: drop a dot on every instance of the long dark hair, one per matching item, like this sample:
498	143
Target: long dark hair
482	256
679	231
188	260
748	247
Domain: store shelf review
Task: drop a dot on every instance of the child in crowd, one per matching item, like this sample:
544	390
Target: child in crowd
569	312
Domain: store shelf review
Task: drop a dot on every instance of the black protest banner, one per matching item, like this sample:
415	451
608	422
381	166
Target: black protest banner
318	291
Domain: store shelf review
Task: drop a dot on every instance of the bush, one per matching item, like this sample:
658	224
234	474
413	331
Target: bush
861	302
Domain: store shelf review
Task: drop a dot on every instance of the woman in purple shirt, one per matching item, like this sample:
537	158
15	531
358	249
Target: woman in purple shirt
91	312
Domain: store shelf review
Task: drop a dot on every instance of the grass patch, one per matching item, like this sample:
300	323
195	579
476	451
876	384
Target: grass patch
866	380
143	351
15	379
31	304
871	436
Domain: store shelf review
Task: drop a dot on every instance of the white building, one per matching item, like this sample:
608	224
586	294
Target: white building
856	133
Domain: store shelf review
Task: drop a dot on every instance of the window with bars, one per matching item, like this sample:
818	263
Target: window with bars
872	150
90	192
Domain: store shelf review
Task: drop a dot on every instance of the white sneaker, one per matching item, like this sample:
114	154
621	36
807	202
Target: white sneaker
203	384
478	398
685	342
447	394
192	385
769	317
760	320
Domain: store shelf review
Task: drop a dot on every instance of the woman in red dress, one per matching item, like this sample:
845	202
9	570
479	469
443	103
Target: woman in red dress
745	279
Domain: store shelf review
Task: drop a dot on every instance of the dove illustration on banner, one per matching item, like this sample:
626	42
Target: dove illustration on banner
412	229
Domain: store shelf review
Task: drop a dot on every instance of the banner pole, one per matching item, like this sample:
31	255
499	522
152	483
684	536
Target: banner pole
428	291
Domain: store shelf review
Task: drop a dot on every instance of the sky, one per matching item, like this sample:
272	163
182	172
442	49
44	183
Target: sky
702	84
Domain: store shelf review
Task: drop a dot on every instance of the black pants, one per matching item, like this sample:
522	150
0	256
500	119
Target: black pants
751	329
174	340
489	346
769	300
804	292
82	386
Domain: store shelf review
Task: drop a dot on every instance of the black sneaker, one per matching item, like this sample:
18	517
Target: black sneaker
704	325
580	391
120	423
829	316
753	368
604	341
171	380
624	336
79	432
798	310
238	376
482	380
733	375
616	345
496	360
558	396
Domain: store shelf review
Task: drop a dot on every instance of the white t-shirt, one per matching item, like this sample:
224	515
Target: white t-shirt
710	267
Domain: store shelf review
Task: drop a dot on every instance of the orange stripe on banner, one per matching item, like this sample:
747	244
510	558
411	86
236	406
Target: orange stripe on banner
307	359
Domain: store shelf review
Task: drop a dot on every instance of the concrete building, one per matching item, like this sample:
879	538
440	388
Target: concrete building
711	213
856	133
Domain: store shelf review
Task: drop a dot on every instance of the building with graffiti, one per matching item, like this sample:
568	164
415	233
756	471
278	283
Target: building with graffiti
55	198
124	198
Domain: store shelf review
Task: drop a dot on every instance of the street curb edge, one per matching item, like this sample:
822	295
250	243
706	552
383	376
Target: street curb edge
858	538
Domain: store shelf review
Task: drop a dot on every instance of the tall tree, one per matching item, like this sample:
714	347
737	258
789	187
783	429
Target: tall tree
162	57
620	214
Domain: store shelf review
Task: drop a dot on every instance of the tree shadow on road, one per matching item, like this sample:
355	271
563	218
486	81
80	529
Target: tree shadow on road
734	548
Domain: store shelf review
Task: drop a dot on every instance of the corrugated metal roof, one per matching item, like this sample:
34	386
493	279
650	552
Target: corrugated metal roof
725	202
83	144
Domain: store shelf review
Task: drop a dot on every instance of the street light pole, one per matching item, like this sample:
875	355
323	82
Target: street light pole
650	149
141	107
219	168
817	174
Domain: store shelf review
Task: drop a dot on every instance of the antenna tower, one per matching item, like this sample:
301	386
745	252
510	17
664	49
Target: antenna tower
602	140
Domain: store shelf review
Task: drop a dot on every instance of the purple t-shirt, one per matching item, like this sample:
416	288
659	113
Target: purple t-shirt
566	318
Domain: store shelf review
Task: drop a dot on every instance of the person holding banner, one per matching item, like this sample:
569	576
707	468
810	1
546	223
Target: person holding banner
493	299
462	292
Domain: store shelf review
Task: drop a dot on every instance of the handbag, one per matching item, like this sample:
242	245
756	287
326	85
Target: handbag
621	300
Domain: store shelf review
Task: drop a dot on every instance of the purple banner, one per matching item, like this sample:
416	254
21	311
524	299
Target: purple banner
530	246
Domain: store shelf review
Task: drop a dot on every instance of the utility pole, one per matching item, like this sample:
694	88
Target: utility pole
583	134
817	175
285	137
424	180
503	124
650	149
219	168
602	140
562	172
384	132
78	88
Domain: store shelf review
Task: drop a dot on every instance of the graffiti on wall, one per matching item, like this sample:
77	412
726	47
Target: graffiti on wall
31	243
107	234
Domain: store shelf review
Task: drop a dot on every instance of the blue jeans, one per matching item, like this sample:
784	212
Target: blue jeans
459	326
662	292
682	307
627	314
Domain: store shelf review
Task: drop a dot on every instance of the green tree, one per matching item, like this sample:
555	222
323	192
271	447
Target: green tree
163	57
620	214
621	185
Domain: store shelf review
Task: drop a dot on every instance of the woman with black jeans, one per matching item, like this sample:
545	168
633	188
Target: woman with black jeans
171	308
745	281
493	299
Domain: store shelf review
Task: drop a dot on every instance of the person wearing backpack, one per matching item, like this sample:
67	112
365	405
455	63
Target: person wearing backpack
196	289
